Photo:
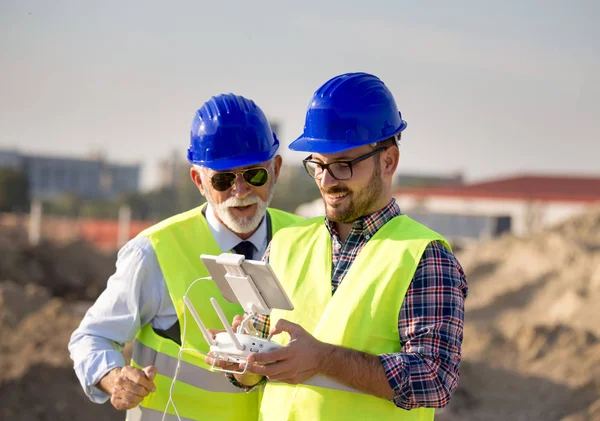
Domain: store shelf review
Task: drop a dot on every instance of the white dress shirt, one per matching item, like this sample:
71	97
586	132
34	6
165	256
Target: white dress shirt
135	295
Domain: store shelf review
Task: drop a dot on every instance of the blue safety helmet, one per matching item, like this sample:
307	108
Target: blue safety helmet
348	111
230	131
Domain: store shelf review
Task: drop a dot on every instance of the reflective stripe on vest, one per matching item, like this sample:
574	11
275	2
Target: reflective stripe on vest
361	315
188	373
139	413
325	382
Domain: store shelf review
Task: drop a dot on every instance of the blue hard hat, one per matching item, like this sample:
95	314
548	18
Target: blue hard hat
230	131
348	111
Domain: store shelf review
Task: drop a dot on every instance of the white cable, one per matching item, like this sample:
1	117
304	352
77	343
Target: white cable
180	354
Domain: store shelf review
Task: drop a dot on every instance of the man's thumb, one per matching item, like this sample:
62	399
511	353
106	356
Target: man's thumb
150	372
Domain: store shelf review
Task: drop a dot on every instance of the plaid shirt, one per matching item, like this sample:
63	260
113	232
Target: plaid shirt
430	324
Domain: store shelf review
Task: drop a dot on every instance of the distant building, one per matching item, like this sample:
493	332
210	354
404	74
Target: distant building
51	176
10	159
428	180
518	205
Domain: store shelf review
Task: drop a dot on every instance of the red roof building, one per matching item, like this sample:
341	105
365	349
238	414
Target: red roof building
526	187
520	204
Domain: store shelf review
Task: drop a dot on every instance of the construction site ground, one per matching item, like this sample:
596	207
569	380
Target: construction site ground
532	334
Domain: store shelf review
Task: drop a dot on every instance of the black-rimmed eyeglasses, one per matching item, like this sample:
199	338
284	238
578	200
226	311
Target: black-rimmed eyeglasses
340	170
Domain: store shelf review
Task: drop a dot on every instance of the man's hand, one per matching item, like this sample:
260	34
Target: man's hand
298	361
209	359
306	356
237	320
247	379
128	385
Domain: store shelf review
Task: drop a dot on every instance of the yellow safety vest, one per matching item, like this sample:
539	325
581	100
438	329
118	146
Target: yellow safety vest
199	392
362	314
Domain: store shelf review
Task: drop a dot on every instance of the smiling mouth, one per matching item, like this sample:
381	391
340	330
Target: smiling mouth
335	192
333	198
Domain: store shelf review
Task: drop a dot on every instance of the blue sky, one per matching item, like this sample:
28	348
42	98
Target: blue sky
487	88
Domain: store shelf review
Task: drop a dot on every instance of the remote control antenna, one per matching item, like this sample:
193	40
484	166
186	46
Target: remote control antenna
234	338
207	336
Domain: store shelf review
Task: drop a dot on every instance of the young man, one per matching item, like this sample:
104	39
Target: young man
235	166
377	327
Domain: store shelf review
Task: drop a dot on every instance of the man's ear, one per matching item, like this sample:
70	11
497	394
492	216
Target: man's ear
277	167
390	160
197	179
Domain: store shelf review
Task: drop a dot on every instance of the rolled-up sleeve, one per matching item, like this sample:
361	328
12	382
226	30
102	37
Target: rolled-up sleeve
132	298
426	371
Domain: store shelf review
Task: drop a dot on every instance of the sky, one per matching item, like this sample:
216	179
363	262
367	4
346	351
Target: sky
488	89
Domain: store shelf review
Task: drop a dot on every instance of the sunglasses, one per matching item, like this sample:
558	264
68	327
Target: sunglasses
223	181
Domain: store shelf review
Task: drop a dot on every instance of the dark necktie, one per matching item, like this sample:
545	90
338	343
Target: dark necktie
246	248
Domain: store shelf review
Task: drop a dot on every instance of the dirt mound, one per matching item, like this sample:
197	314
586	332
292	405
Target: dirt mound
37	381
17	301
550	278
540	373
532	335
74	271
40	289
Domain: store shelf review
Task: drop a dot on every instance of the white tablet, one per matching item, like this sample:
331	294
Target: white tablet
261	289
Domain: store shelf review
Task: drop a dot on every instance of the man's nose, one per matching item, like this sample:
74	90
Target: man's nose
327	180
240	188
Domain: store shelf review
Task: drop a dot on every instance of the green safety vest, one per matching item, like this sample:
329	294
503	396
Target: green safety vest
362	314
199	393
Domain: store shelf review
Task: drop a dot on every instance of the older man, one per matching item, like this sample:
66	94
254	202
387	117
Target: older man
235	166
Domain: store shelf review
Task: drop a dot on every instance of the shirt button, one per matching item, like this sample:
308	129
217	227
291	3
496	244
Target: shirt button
367	236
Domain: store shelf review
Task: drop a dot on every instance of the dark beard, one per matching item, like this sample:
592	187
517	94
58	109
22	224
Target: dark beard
361	203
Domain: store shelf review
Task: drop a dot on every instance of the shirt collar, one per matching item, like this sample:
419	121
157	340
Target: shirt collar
227	239
370	224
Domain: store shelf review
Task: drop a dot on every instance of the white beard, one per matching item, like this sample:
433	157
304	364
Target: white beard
234	223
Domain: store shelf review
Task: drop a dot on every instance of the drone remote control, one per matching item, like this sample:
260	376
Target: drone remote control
257	294
225	348
229	346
